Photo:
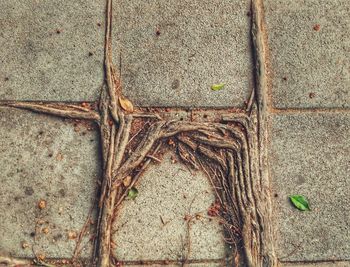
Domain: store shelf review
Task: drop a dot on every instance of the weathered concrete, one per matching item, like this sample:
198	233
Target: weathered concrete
153	226
51	50
309	51
310	155
173	51
45	158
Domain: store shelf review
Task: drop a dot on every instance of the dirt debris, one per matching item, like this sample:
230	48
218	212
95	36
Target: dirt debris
42	204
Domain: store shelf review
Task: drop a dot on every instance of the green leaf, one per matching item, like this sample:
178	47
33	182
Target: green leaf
300	202
217	87
133	192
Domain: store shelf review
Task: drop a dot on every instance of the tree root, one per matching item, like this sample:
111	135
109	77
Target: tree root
230	153
60	110
7	261
224	151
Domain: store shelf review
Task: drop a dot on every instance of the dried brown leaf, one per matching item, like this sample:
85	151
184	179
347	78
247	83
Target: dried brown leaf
126	104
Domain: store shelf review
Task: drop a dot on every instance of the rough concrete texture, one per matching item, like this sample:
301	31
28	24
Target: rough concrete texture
173	51
153	226
310	155
309	50
45	158
51	50
318	264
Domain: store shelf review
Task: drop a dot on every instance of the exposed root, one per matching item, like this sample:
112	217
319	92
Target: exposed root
226	152
268	255
111	78
60	110
7	261
137	176
225	159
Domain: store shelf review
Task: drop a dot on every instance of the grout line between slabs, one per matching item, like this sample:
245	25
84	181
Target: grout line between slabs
308	110
166	262
316	261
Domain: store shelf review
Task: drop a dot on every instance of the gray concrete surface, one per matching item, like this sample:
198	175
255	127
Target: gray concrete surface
310	66
173	51
45	158
153	226
310	155
51	50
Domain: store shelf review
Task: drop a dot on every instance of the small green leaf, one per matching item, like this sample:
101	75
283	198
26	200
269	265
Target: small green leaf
300	202
217	87
133	192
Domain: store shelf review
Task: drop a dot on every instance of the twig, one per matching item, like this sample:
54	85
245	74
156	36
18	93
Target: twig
82	232
136	134
154	158
162	220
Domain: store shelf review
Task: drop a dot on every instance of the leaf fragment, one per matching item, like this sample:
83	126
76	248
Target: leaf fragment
126	104
133	192
127	181
217	87
300	202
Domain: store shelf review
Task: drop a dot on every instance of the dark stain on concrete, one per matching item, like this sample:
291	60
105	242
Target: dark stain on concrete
29	191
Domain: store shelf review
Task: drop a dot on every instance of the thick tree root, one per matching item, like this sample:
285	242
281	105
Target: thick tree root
7	261
226	152
60	110
231	153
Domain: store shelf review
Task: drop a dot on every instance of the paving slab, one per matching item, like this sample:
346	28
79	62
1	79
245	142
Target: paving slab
45	158
173	51
154	226
51	50
310	155
309	46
